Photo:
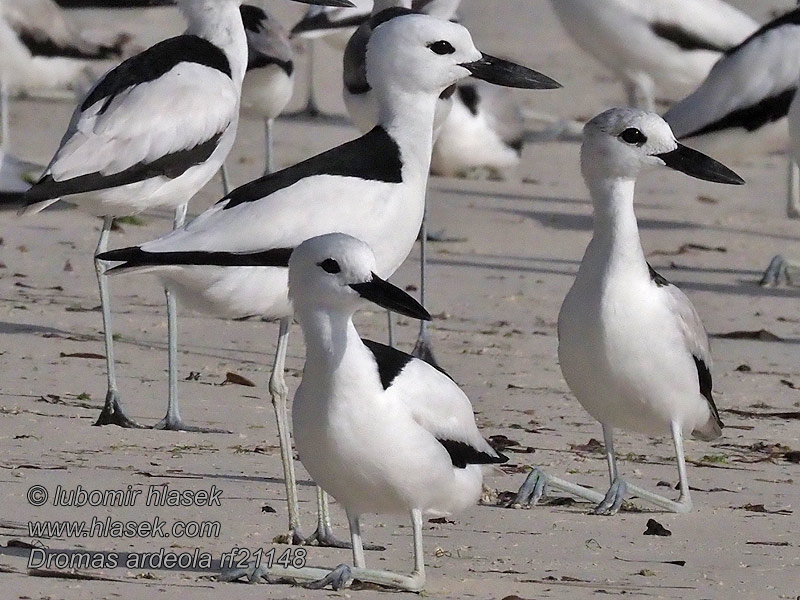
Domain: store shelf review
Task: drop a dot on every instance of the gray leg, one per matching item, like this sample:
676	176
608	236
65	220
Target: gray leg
390	327
620	488
226	180
4	114
793	192
641	92
323	536
280	394
173	421
780	270
343	574
269	162
423	349
112	413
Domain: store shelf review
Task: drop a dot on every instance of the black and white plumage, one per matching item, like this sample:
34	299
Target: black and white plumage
631	346
379	430
372	188
744	108
664	45
269	81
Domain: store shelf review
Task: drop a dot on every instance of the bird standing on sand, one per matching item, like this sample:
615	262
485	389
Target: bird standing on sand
631	346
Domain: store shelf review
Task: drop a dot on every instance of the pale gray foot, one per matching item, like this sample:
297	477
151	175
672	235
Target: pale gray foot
531	491
338	579
113	414
614	498
326	539
780	270
168	424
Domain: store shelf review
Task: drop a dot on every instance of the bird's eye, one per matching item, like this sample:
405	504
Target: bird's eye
633	136
330	266
442	47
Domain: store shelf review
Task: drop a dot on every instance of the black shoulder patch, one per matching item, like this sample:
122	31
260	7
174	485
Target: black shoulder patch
355	55
155	62
252	17
390	361
468	94
136	257
790	18
259	61
172	166
752	117
684	39
374	157
462	454
39	45
704	379
659	280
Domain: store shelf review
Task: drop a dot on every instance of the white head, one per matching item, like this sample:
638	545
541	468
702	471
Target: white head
334	272
417	53
618	143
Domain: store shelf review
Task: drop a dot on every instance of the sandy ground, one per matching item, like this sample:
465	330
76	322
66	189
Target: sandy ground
496	293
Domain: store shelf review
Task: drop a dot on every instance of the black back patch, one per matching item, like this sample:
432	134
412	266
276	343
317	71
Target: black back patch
136	257
462	454
171	166
704	379
372	157
253	17
155	62
684	39
659	280
390	361
790	18
753	117
40	45
468	94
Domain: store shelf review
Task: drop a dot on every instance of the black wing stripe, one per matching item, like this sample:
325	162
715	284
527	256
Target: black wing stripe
684	39
374	157
136	257
704	379
462	454
753	117
390	361
171	166
38	45
155	62
659	280
790	18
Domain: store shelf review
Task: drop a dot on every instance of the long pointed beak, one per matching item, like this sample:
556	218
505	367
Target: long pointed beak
342	3
508	74
696	164
390	297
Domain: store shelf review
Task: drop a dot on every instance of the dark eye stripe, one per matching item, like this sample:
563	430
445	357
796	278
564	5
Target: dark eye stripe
330	266
633	136
442	47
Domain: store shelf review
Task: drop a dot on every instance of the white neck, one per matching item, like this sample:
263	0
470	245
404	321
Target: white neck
331	339
615	242
408	118
219	22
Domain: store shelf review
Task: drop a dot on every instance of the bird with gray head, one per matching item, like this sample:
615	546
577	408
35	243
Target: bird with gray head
631	346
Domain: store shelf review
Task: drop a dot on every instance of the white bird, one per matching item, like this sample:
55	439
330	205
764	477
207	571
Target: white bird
337	26
631	346
40	50
741	109
269	80
372	188
16	177
483	133
664	45
469	128
379	430
113	162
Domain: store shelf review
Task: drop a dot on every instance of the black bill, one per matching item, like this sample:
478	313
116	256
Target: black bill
392	298
697	164
509	74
